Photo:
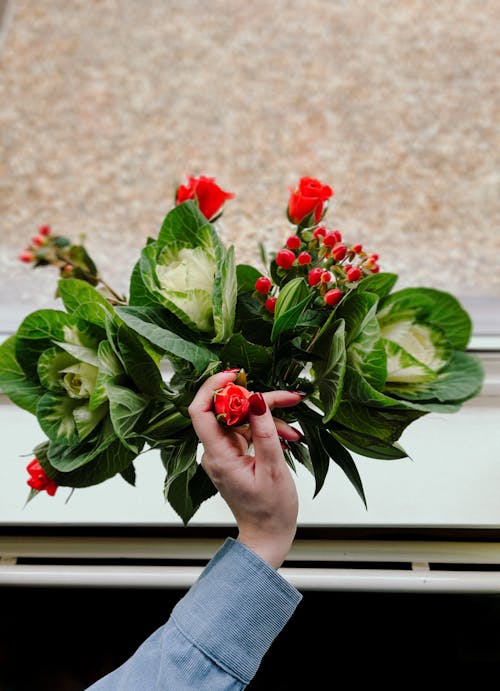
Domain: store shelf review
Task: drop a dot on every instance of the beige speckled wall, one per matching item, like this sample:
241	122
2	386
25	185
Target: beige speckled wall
106	105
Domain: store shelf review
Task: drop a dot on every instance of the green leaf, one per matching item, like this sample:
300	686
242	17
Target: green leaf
404	369
107	361
290	306
13	380
255	359
139	365
50	365
367	353
55	415
68	457
310	423
357	309
169	342
246	277
429	306
301	454
125	409
365	445
357	388
200	487
139	294
379	284
186	226
224	297
329	372
80	296
461	379
180	463
251	321
39	331
80	353
129	474
87	419
344	460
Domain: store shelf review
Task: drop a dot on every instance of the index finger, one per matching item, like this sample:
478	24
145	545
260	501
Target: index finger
204	421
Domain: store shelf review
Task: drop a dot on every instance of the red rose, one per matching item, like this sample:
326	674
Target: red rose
39	479
308	198
231	404
209	196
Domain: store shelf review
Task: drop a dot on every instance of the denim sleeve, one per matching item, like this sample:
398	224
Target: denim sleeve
217	634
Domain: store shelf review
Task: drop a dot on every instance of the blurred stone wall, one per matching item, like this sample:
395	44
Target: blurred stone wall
106	105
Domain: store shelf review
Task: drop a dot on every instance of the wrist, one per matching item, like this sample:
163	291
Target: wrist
273	551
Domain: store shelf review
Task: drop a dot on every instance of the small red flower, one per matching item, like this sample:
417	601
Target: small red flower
207	194
38	478
353	273
339	252
308	198
27	256
304	258
231	404
285	259
332	297
293	242
314	276
263	285
270	305
319	232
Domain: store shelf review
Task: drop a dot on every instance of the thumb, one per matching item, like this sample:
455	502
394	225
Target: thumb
264	435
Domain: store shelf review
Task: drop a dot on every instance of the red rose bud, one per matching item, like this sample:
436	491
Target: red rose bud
308	198
38	478
304	258
270	304
263	285
326	277
27	256
357	248
314	276
209	196
231	404
293	242
339	252
285	259
353	273
332	297
44	230
320	232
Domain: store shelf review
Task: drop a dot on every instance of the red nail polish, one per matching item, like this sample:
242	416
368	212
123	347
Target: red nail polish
257	403
230	371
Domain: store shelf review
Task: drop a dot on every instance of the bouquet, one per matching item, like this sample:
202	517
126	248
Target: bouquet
110	378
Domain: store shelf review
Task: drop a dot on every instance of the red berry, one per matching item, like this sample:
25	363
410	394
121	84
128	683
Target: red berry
357	248
270	305
263	285
330	239
304	258
44	230
326	277
353	273
333	296
293	242
26	256
374	257
320	232
314	276
339	252
375	269
285	259
38	240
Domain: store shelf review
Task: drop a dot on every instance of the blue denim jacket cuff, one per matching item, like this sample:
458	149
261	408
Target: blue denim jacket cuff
235	610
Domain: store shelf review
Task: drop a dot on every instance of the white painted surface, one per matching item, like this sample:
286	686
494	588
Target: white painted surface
453	479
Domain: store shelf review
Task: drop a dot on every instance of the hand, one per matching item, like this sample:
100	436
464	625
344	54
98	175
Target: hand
259	489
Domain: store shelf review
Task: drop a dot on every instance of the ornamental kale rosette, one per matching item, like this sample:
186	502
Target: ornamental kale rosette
108	378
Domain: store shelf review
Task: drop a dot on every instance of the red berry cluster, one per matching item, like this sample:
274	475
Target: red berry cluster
330	264
40	240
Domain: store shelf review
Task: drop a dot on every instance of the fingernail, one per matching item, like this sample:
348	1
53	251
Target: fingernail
257	403
229	371
300	393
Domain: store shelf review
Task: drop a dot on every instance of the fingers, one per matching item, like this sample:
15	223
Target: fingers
264	433
285	431
282	399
